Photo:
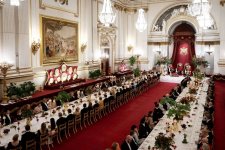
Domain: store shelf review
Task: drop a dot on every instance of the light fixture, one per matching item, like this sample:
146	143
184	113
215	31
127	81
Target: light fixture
35	46
129	47
209	50
199	7
4	67
15	2
83	47
205	21
107	16
141	23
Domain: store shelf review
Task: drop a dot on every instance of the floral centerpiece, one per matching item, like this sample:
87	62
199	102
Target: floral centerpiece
164	142
187	99
163	60
198	61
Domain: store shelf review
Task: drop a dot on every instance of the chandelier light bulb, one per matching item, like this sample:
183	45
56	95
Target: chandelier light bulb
15	2
141	23
199	7
107	16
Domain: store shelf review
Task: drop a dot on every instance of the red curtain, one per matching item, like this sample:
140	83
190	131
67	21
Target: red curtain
184	50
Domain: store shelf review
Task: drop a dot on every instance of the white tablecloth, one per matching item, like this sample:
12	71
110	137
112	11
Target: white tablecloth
36	125
195	120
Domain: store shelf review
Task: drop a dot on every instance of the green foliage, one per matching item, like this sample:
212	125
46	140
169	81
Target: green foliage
163	60
178	111
95	74
199	61
168	100
23	90
198	74
163	142
137	72
132	60
63	97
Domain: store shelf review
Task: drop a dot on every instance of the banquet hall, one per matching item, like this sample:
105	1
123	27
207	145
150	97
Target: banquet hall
112	74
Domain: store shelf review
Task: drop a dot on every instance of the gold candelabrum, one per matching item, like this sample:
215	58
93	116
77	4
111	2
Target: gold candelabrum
4	67
35	47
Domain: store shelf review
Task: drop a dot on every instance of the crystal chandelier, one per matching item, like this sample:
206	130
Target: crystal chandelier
199	7
15	2
107	16
141	23
205	21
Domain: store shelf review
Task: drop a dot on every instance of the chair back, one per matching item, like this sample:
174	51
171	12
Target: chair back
71	123
18	148
92	112
86	115
44	139
31	145
78	118
62	127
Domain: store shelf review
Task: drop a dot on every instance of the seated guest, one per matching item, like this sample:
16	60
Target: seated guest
18	116
134	133
129	144
70	115
90	107
38	109
15	143
28	112
42	131
27	136
96	105
52	104
101	103
6	118
115	146
44	105
84	110
157	114
61	119
82	94
143	132
77	111
52	126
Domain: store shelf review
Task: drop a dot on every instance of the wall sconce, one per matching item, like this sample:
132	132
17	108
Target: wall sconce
35	46
83	47
129	48
209	51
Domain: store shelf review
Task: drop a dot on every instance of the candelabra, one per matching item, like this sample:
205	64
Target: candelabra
4	67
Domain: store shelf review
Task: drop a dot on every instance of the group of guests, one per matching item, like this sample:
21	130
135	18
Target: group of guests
206	135
147	123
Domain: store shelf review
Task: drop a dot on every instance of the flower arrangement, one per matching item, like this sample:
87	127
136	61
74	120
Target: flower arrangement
187	99
164	142
163	60
95	74
132	60
63	97
198	61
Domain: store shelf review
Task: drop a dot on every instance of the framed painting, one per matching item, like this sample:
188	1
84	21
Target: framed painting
59	40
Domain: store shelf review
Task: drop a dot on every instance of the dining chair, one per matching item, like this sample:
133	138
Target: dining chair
31	145
71	126
62	129
78	122
44	141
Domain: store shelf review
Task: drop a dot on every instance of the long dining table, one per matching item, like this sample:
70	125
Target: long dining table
192	121
38	119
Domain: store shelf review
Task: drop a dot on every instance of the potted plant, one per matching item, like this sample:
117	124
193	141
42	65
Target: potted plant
132	60
95	74
137	72
63	97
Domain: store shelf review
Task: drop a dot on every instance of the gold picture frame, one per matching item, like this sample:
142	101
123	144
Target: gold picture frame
59	40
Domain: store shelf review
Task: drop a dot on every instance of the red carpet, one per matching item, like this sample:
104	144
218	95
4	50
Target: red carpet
116	125
219	116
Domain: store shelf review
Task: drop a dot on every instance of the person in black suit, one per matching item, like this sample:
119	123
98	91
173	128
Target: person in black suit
84	110
143	131
61	119
44	105
157	113
27	136
126	145
6	118
70	116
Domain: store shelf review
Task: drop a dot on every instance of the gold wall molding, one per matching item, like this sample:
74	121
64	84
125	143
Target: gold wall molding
208	42
221	63
222	2
158	43
42	5
128	9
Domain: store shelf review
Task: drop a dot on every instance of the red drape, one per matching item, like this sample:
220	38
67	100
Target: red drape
184	50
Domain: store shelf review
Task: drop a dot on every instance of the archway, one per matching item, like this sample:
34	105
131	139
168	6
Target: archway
184	45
